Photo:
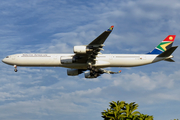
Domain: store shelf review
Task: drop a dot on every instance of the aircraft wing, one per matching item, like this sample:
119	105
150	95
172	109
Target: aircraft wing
98	72
92	49
108	71
101	38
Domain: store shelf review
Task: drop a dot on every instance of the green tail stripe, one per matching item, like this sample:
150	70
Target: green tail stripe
162	43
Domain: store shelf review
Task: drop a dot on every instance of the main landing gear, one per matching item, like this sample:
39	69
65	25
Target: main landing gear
89	67
93	71
15	68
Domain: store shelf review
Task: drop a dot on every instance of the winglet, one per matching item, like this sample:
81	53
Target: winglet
111	28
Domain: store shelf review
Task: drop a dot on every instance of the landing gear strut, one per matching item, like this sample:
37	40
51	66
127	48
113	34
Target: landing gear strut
15	68
94	72
89	67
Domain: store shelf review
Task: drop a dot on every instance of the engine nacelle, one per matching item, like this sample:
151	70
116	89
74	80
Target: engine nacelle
89	75
73	72
67	60
81	49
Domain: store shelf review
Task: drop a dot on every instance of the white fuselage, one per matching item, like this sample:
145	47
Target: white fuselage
102	61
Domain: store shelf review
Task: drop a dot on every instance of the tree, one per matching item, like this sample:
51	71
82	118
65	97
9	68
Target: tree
130	108
115	112
145	117
124	111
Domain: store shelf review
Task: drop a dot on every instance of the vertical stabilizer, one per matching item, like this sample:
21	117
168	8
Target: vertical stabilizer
164	45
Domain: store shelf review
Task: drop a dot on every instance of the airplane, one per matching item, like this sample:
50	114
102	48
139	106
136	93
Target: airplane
89	59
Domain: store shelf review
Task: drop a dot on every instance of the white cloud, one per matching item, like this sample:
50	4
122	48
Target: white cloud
137	81
39	107
165	96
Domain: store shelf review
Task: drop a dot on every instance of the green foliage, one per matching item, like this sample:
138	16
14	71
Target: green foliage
124	111
115	112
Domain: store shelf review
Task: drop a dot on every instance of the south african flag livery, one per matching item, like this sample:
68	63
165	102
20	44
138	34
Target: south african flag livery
111	28
164	45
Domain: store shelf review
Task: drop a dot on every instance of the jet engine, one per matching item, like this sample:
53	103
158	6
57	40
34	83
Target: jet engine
88	74
73	72
67	60
81	49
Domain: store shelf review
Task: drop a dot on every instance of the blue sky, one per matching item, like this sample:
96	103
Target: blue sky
42	26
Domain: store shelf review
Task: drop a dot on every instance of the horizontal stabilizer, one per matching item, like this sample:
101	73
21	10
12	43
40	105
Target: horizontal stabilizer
109	72
168	52
169	60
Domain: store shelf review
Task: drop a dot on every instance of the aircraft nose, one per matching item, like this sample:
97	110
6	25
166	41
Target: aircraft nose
4	61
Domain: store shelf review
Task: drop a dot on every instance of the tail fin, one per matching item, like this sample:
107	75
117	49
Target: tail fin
164	45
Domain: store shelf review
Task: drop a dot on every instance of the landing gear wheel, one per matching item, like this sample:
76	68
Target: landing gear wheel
93	69
89	67
95	75
15	70
96	70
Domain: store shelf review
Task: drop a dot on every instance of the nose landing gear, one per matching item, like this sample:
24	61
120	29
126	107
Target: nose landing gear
15	68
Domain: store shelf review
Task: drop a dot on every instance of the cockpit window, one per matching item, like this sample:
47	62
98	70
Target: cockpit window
7	57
